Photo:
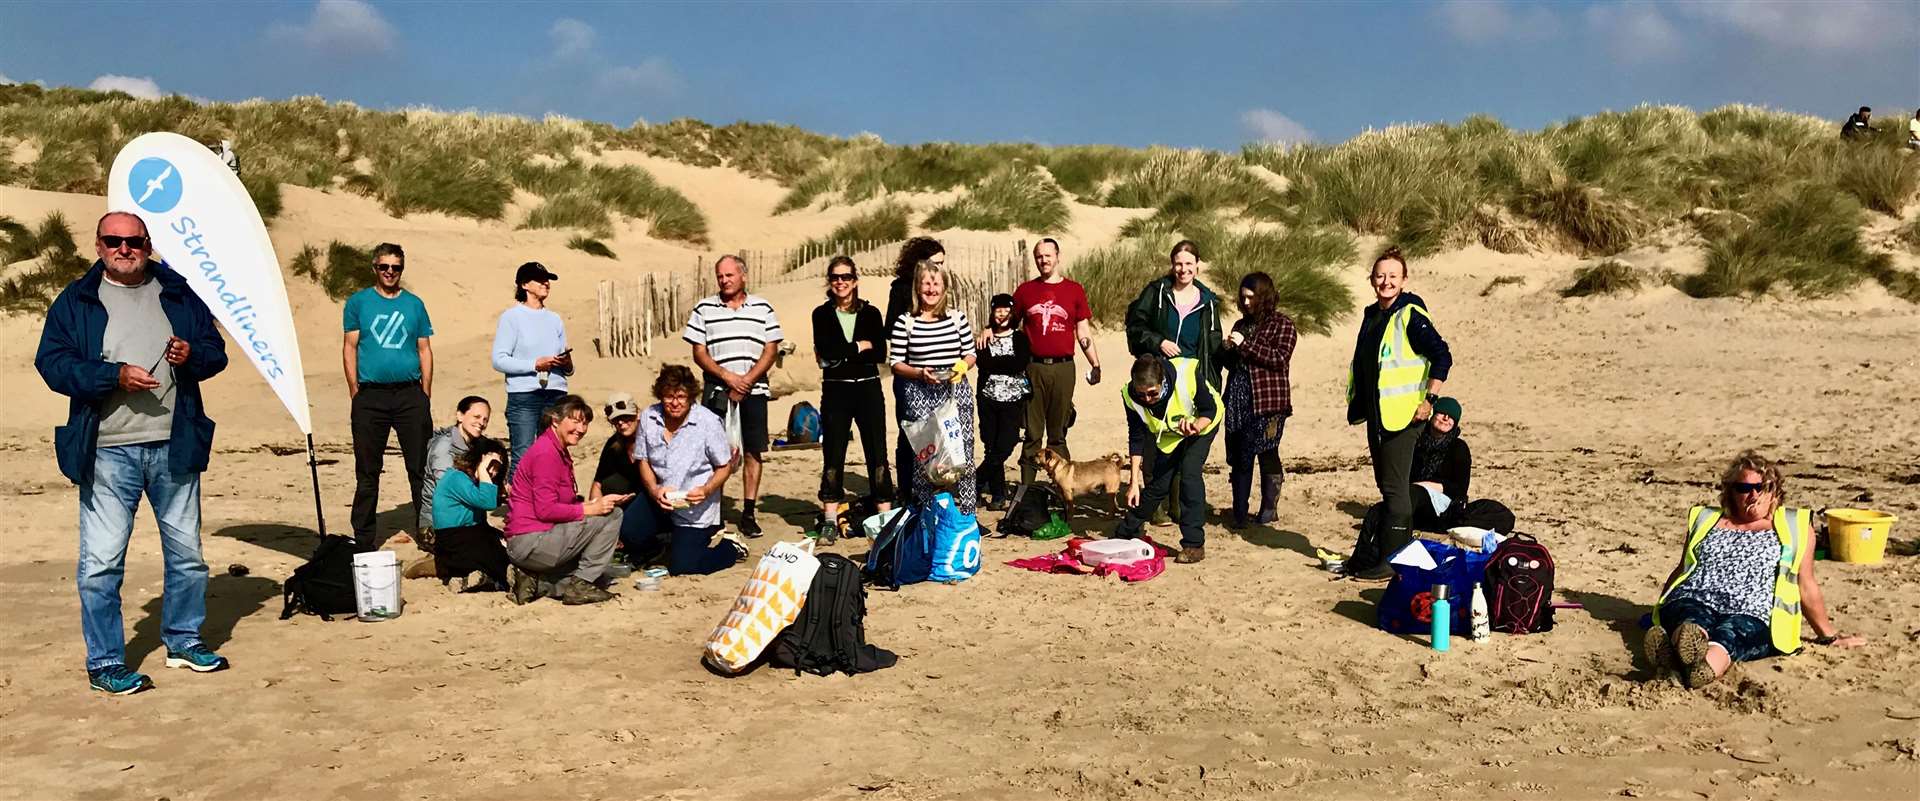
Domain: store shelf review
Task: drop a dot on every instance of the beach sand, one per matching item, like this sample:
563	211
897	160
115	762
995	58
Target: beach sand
1599	421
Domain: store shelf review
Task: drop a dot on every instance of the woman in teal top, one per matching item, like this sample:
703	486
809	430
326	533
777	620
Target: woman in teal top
467	551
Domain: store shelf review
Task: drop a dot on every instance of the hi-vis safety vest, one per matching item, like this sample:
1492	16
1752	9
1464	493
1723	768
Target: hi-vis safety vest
1179	407
1792	525
1402	378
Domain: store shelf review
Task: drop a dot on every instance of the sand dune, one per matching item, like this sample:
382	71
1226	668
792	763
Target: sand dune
1598	420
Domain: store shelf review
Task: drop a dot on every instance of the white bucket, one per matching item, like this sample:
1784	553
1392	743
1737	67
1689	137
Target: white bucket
1114	552
376	585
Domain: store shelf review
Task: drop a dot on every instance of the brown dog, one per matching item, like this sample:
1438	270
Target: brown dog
1106	473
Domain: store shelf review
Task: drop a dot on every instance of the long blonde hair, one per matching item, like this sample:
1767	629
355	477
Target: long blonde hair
920	272
1769	475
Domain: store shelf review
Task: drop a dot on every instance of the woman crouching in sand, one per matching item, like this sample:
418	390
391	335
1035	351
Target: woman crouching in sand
1745	580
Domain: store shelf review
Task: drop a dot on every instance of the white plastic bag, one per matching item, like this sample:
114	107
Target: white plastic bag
939	443
769	602
733	426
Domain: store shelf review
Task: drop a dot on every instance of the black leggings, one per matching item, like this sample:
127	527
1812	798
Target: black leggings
1392	453
844	404
1000	432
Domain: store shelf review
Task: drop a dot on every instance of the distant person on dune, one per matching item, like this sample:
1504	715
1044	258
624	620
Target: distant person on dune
1859	126
735	337
387	352
900	300
129	344
530	349
1399	359
1913	131
229	157
850	344
1744	583
1054	315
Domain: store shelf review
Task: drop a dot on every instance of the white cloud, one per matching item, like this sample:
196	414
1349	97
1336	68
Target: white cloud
1825	25
339	28
1273	127
571	38
1636	33
4	80
143	88
1486	21
653	76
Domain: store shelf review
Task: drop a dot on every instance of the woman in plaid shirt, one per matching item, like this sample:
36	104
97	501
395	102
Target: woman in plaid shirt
1259	395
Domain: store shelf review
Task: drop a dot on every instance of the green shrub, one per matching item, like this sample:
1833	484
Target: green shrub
442	180
1609	277
1085	170
265	192
1012	197
1115	274
56	262
577	209
1213	181
1805	236
591	247
635	193
348	268
886	222
1881	178
1303	264
66	167
1587	217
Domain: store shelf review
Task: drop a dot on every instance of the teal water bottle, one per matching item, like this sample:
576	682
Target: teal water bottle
1442	618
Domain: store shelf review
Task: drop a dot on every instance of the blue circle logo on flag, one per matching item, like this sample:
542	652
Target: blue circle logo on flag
155	185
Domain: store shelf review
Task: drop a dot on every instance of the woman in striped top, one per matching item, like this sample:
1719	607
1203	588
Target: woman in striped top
925	347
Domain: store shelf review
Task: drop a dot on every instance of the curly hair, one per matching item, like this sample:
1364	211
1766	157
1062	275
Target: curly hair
914	251
1752	460
469	461
675	378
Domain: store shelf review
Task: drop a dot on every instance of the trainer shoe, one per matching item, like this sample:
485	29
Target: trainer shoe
198	658
748	525
118	680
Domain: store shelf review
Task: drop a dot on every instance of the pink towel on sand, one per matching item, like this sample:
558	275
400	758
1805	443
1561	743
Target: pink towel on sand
1068	561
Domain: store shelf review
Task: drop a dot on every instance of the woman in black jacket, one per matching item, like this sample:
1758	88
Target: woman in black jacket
849	343
1003	358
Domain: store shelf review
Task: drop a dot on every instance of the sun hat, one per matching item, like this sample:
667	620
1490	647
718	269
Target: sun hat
620	404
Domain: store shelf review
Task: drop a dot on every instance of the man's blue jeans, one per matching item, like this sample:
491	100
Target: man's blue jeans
120	475
523	420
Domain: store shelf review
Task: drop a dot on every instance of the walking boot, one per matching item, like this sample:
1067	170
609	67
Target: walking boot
574	592
1242	481
1269	499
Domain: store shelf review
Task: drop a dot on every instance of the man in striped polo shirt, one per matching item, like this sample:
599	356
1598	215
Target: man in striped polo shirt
735	336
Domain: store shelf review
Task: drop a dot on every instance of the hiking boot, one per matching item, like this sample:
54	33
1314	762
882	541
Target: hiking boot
574	592
1658	650
1377	573
748	525
1690	649
1190	556
419	568
118	680
524	586
198	658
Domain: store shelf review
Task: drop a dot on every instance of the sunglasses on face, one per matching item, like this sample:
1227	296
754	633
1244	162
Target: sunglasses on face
390	268
132	242
1744	487
838	277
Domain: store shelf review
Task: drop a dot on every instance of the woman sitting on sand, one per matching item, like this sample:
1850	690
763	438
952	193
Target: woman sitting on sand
684	458
1744	582
467	553
472	415
926	346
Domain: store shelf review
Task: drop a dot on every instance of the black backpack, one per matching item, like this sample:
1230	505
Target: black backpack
1033	511
830	634
1520	586
324	585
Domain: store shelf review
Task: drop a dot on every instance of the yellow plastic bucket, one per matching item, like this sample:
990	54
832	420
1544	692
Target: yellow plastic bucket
1858	535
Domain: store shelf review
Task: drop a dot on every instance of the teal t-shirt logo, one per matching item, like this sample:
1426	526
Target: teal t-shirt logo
390	330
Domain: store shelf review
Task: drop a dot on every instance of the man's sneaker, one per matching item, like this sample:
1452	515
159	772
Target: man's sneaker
198	658
827	532
748	525
525	586
118	680
574	592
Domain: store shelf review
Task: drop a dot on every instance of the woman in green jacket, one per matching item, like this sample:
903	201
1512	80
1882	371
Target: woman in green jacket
1177	316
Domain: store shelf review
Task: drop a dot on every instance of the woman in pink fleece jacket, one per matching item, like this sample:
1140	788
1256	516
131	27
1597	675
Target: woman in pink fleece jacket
560	545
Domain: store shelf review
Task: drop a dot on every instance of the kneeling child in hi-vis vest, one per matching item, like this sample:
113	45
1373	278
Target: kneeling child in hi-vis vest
1172	415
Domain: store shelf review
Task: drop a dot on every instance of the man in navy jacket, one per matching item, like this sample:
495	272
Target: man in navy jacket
128	344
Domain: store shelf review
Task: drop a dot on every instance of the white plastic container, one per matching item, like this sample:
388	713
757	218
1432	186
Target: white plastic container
376	585
1114	552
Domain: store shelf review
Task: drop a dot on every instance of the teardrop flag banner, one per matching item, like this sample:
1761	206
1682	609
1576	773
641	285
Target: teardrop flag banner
205	226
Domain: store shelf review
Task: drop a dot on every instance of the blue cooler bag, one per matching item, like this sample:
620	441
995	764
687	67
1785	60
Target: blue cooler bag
1407	608
948	548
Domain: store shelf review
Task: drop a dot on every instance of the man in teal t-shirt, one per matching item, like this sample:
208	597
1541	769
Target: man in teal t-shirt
388	356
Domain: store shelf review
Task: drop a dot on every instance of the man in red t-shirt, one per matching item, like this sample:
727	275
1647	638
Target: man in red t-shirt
1053	312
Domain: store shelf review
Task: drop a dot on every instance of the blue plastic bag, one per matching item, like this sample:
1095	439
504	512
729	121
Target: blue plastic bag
1407	607
937	542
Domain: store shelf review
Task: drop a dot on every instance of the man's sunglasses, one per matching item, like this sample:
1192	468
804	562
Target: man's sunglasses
390	268
1744	487
843	277
133	242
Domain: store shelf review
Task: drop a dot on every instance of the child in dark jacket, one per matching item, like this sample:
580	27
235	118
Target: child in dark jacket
1003	357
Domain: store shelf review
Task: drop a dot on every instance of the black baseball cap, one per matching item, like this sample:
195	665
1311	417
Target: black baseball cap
533	271
1001	301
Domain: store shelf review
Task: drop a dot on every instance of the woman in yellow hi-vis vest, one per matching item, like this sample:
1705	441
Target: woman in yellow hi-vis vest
1398	360
1744	581
1172	416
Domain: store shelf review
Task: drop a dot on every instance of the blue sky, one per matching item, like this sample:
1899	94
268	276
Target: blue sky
1207	74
